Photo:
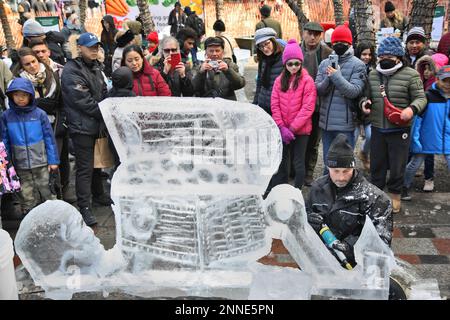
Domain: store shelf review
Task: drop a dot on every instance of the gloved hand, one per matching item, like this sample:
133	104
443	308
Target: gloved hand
286	135
315	220
346	249
53	183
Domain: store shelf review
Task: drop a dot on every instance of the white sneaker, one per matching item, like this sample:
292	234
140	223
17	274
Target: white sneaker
429	185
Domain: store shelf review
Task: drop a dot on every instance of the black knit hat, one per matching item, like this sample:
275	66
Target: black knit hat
265	10
389	6
340	154
219	26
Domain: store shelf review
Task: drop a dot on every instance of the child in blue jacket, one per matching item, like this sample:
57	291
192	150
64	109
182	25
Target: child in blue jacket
30	143
431	130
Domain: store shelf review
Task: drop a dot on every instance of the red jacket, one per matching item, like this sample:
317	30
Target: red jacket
149	82
294	108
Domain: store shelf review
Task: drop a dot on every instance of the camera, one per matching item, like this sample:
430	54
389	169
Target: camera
214	64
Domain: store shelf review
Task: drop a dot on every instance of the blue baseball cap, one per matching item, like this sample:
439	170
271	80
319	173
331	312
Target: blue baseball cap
87	39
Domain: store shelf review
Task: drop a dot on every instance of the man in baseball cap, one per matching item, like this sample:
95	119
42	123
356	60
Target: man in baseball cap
88	45
83	87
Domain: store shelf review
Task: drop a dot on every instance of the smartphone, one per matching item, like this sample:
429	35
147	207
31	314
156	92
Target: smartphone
175	59
334	60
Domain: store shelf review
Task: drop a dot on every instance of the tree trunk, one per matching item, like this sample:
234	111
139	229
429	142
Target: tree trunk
297	7
6	27
338	12
146	17
219	9
83	7
364	21
422	13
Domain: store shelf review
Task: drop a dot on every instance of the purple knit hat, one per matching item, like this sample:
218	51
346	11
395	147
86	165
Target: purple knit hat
292	51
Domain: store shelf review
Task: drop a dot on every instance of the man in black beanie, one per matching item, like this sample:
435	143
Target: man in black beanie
267	21
343	198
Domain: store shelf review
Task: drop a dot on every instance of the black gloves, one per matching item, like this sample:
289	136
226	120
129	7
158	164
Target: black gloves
346	249
315	220
53	183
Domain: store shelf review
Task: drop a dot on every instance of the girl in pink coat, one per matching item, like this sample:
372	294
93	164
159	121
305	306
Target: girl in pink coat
292	103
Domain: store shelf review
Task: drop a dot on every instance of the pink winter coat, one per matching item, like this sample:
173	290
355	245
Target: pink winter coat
294	108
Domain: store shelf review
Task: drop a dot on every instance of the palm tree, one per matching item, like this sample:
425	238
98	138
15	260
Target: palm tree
219	9
83	8
146	17
6	27
364	21
297	7
338	12
421	15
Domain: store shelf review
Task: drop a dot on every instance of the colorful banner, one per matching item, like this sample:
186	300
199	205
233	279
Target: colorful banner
123	10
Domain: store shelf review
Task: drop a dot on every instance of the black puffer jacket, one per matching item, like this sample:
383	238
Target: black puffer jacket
83	87
179	86
264	92
55	41
345	209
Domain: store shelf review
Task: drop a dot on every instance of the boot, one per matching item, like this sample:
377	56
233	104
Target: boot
88	217
405	196
396	202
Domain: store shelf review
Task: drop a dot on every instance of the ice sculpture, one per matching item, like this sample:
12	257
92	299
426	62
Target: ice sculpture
190	219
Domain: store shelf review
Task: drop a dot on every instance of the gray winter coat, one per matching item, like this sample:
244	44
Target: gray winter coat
340	91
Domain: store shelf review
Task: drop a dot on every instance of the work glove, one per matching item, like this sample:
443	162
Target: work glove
315	220
286	135
346	249
53	183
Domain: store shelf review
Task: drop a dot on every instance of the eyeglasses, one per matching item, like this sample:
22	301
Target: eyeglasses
264	44
170	50
294	64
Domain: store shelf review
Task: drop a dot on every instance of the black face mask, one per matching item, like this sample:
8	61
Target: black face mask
340	48
387	64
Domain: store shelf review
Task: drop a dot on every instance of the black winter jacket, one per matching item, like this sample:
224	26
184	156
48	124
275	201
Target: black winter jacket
263	94
83	87
179	86
345	209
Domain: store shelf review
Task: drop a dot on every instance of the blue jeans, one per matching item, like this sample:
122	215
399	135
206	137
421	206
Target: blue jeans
327	139
365	148
414	165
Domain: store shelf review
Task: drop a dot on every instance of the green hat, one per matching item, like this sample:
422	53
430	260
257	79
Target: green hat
313	26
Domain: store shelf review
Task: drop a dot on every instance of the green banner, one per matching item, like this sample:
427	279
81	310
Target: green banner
49	23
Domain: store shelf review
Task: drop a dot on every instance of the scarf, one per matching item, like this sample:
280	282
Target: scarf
39	82
266	68
311	60
391	71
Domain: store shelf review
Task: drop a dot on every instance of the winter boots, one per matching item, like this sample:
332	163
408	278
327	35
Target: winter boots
396	202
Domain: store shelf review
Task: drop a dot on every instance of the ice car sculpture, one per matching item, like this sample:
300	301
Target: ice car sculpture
190	219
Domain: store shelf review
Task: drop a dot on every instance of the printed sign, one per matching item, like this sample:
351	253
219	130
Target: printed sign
438	23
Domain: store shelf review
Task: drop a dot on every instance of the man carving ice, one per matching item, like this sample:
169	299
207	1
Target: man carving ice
343	198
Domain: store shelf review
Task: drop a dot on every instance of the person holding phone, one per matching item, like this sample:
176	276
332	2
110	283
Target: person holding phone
340	81
173	70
